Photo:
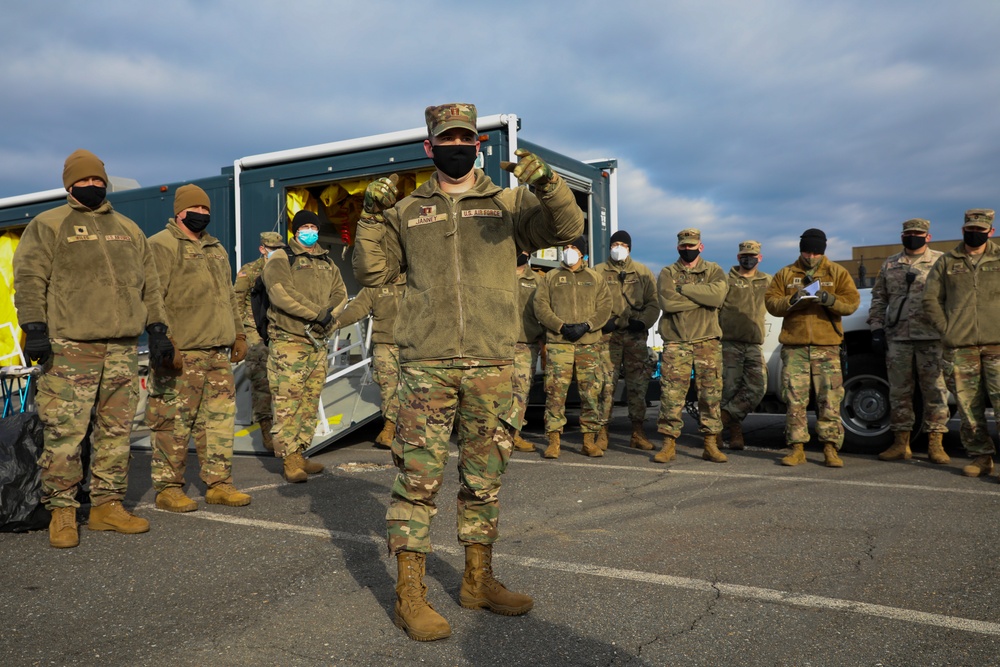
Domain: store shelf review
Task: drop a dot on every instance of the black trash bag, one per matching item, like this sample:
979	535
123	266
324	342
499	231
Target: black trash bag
20	477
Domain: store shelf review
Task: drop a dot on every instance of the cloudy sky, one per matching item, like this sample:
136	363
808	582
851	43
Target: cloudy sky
747	119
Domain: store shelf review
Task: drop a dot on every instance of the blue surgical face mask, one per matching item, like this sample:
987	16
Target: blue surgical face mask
308	237
271	252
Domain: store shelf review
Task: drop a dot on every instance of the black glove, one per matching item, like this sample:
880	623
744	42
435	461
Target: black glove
878	342
797	297
574	332
37	345
610	325
325	319
825	298
635	326
161	350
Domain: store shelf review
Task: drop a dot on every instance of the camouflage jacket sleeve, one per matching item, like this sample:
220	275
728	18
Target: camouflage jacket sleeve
358	309
880	299
378	254
670	301
281	292
846	292
712	292
32	270
338	293
543	307
650	303
777	302
602	310
157	261
934	296
242	289
551	219
237	315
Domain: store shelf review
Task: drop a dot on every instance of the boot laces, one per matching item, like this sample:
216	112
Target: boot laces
65	519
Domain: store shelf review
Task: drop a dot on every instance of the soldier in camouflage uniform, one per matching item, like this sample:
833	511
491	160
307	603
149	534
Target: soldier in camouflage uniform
634	310
305	293
529	338
197	395
256	359
690	293
85	287
897	318
456	237
382	303
744	371
960	300
810	344
572	302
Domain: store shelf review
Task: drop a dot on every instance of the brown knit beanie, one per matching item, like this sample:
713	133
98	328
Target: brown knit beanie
82	164
189	196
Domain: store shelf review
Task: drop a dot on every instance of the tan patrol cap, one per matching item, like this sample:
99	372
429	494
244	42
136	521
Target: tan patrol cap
917	225
979	217
749	248
271	239
447	116
689	236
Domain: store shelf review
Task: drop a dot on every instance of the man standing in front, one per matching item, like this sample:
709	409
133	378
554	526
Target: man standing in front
456	237
744	370
690	292
960	300
256	359
898	320
810	344
634	303
85	287
196	394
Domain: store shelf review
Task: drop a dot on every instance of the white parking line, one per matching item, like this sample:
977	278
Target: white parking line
769	595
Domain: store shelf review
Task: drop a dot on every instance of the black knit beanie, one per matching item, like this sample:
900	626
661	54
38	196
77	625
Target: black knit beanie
621	236
813	241
304	217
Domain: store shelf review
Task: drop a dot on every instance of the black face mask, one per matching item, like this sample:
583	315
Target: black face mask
196	222
90	196
975	239
914	242
748	261
455	160
689	254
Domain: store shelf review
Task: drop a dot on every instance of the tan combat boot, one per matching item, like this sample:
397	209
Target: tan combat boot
63	533
669	451
311	467
480	590
712	452
226	494
173	499
113	516
265	434
935	449
797	457
735	434
602	438
552	451
522	445
414	615
384	439
830	457
590	447
295	468
981	465
639	439
900	448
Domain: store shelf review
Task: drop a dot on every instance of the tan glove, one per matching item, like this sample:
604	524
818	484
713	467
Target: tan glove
380	195
239	350
530	169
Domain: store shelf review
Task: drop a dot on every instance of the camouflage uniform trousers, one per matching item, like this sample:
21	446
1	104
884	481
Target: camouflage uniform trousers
297	372
973	375
523	373
260	390
560	358
821	365
676	363
926	355
431	395
200	401
744	378
385	372
80	376
628	348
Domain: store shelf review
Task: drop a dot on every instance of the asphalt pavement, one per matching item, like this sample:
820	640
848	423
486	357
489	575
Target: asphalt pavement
630	563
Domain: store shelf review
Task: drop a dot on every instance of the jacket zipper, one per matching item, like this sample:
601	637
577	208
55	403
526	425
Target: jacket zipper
111	272
458	278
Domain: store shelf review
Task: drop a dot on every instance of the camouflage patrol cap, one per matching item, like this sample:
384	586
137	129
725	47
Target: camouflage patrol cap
979	217
688	236
447	116
917	225
749	248
271	239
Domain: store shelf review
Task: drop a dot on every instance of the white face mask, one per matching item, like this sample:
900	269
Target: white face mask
619	253
571	257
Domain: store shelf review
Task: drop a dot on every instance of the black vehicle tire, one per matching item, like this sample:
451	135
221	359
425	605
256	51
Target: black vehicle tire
865	410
